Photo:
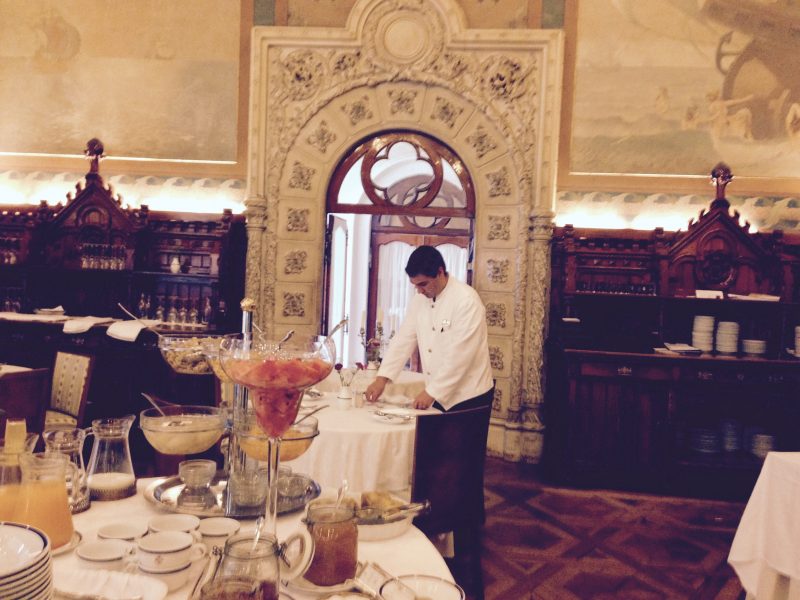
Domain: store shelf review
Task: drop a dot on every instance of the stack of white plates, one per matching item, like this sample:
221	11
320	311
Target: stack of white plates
26	572
727	337
703	333
761	444
731	431
704	440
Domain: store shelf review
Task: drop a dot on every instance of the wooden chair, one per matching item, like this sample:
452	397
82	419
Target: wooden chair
24	395
72	374
449	458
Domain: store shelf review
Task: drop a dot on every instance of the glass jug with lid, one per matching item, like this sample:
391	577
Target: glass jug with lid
69	441
110	471
254	569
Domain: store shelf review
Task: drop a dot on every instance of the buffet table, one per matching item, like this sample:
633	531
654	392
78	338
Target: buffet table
766	549
353	444
408	553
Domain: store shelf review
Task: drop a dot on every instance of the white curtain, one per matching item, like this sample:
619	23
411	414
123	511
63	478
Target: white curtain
394	289
455	258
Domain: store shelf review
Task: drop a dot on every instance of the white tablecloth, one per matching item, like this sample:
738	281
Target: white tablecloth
766	549
11	369
409	553
354	445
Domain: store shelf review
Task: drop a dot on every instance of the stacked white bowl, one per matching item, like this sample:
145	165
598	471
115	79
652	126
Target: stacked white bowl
26	571
703	333
761	444
754	347
727	337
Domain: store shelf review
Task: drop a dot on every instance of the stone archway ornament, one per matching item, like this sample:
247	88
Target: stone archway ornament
493	96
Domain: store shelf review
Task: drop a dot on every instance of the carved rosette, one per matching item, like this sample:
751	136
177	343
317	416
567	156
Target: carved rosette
404	33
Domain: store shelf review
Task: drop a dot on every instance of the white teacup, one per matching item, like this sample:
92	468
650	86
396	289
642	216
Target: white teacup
105	554
215	530
175	522
122	531
167	551
173	579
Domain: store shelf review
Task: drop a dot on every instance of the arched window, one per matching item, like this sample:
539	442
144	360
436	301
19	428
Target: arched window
391	192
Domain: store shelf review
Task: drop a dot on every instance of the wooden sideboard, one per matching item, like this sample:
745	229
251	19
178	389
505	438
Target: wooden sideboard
623	414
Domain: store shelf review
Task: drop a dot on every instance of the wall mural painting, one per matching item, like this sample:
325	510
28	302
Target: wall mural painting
671	87
149	78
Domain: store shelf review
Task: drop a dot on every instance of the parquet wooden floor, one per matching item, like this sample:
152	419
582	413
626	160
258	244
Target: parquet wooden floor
547	543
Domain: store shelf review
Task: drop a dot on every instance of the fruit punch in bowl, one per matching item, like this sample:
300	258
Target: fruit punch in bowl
276	375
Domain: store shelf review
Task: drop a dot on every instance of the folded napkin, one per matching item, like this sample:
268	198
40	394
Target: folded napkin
82	324
14	316
128	331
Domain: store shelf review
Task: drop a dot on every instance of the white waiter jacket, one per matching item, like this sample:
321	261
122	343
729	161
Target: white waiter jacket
453	344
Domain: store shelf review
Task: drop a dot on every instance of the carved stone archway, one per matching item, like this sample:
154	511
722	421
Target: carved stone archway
492	96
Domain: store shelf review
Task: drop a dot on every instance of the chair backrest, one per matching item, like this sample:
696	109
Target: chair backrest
23	395
449	458
72	374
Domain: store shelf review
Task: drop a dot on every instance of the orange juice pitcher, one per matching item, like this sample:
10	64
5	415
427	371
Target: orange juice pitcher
43	500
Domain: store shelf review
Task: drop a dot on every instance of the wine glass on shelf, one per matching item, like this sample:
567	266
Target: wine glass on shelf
276	373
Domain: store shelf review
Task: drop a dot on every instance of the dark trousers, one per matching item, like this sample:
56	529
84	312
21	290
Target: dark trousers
484	399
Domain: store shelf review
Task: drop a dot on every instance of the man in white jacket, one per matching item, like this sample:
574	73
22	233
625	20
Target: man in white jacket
447	321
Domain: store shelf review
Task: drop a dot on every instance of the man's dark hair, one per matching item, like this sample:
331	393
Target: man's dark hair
425	260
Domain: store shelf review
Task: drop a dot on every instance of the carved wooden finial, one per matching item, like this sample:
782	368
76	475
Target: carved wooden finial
721	176
94	152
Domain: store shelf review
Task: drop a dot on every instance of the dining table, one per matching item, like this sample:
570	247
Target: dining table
765	552
371	446
409	553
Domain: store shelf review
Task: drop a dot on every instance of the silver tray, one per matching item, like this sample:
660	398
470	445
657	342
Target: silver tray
163	492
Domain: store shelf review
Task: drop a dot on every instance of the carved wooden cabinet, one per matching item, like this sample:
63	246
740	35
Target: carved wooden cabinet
92	253
621	413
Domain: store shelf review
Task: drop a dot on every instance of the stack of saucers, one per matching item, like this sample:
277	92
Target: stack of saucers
703	333
727	337
731	431
761	444
26	572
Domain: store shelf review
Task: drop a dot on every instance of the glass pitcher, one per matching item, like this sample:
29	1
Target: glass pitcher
110	471
69	441
43	501
255	571
11	474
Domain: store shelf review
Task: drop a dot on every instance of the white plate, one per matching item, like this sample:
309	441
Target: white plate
394	416
423	586
304	585
71	545
20	547
109	584
397	400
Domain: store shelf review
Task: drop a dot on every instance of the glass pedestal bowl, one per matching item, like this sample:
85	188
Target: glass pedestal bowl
187	355
178	429
294	443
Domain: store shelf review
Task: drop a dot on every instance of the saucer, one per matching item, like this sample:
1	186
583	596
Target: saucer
69	546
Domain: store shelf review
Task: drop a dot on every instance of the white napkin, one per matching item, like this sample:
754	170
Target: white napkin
82	324
128	331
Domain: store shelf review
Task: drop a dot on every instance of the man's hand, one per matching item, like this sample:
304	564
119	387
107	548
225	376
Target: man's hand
375	389
423	400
